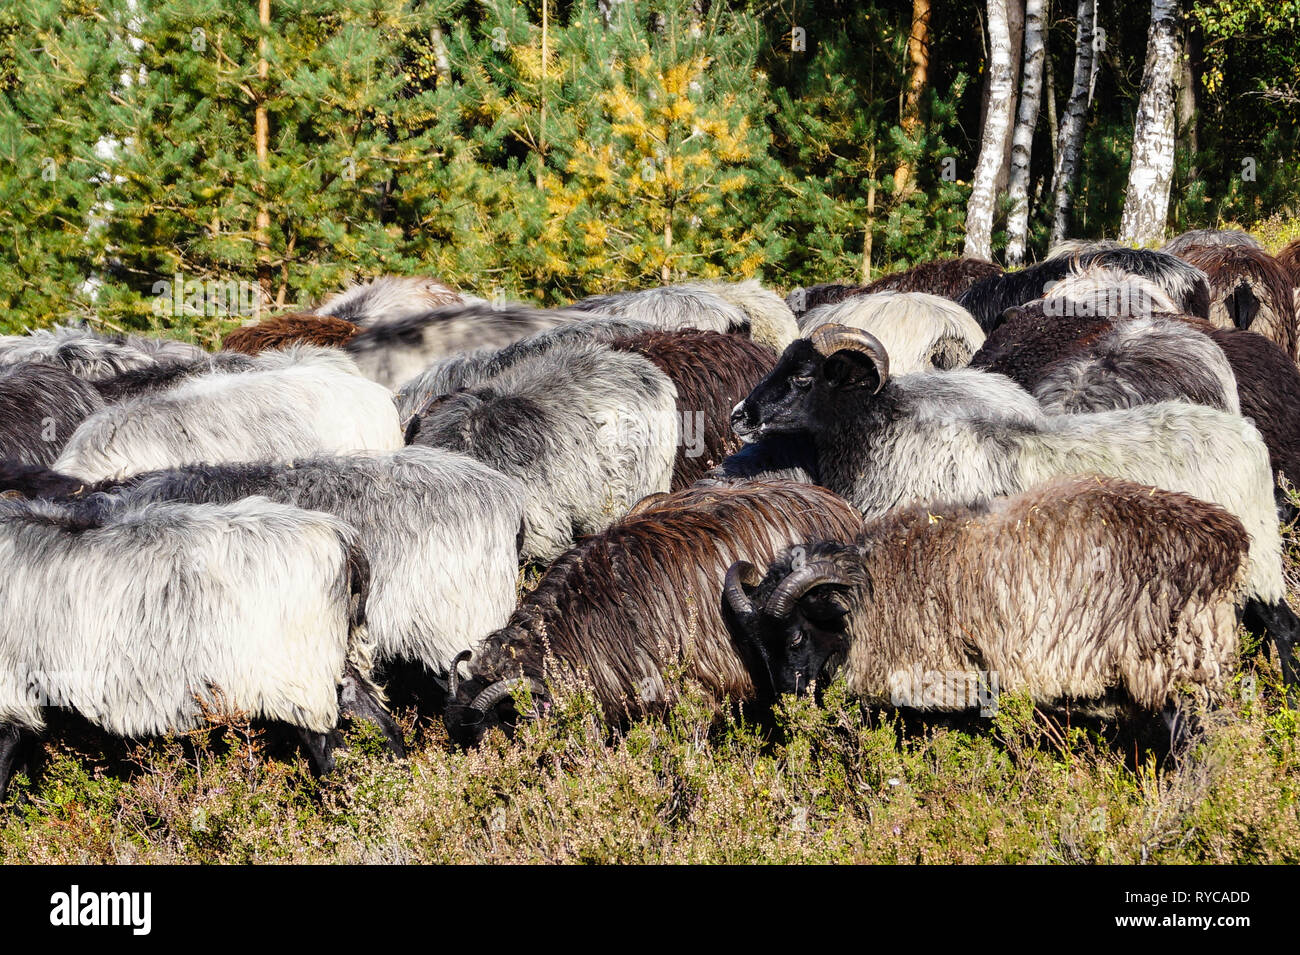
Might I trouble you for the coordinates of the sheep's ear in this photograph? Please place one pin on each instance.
(854, 369)
(826, 605)
(1010, 314)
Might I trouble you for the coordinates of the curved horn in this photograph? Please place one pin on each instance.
(647, 502)
(453, 676)
(498, 691)
(832, 337)
(741, 574)
(788, 592)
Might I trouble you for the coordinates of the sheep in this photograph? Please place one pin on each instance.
(1250, 290)
(388, 297)
(804, 300)
(627, 608)
(1289, 259)
(967, 435)
(672, 307)
(769, 320)
(1228, 238)
(142, 617)
(920, 331)
(1140, 362)
(1100, 586)
(1104, 290)
(88, 354)
(440, 531)
(710, 372)
(34, 480)
(40, 407)
(151, 379)
(1030, 343)
(1185, 284)
(312, 403)
(293, 328)
(944, 277)
(588, 430)
(393, 351)
(457, 372)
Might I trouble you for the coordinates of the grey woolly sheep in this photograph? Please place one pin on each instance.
(88, 354)
(440, 530)
(313, 403)
(40, 407)
(1101, 585)
(921, 332)
(388, 297)
(672, 307)
(770, 322)
(1220, 237)
(140, 618)
(588, 430)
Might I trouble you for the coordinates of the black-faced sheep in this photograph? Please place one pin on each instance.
(314, 404)
(88, 354)
(40, 407)
(141, 617)
(589, 431)
(395, 350)
(387, 298)
(1100, 586)
(965, 436)
(626, 608)
(440, 531)
(921, 332)
(711, 372)
(296, 328)
(1249, 290)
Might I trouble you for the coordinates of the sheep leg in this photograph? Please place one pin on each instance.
(358, 700)
(1181, 724)
(11, 745)
(320, 750)
(1279, 623)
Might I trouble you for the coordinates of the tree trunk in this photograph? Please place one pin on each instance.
(868, 240)
(1146, 201)
(1188, 139)
(1022, 141)
(261, 135)
(1016, 23)
(541, 120)
(1049, 82)
(918, 53)
(1065, 176)
(993, 144)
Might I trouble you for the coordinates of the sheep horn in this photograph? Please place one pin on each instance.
(790, 590)
(647, 502)
(498, 691)
(453, 676)
(741, 574)
(832, 337)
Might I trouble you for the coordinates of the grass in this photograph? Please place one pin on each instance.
(828, 782)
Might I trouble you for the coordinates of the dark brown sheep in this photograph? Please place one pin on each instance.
(1289, 259)
(1250, 290)
(296, 328)
(945, 277)
(626, 609)
(712, 372)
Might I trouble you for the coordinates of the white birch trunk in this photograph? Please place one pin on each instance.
(1146, 202)
(993, 144)
(1070, 145)
(1022, 140)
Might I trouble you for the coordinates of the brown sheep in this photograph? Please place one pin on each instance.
(295, 328)
(1250, 290)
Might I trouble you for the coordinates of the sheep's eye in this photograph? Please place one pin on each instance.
(802, 381)
(796, 638)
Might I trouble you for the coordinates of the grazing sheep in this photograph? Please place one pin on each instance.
(921, 332)
(885, 442)
(312, 403)
(711, 372)
(944, 277)
(1185, 285)
(41, 406)
(1100, 586)
(457, 372)
(88, 354)
(588, 430)
(295, 328)
(769, 320)
(393, 351)
(141, 618)
(441, 532)
(387, 298)
(626, 609)
(1250, 290)
(1142, 361)
(1227, 238)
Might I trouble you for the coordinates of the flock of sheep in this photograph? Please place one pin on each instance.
(1065, 480)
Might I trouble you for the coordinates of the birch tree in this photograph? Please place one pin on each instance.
(993, 143)
(1069, 147)
(1022, 140)
(1146, 201)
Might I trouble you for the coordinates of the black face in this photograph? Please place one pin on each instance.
(815, 634)
(467, 726)
(799, 395)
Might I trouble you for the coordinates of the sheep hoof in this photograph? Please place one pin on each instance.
(320, 750)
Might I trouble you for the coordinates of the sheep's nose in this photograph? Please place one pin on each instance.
(741, 419)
